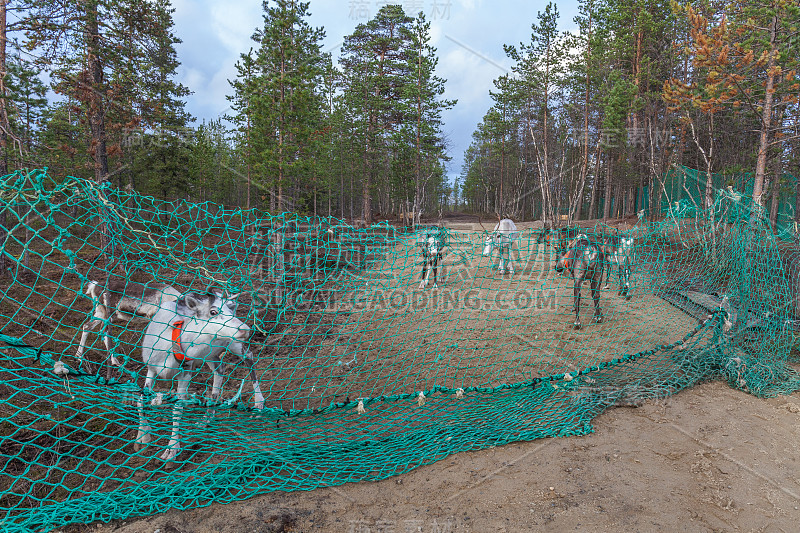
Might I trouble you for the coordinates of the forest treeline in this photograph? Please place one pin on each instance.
(588, 123)
(355, 136)
(585, 125)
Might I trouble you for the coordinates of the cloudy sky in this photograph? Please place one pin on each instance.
(469, 36)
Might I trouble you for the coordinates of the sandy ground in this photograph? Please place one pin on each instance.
(708, 459)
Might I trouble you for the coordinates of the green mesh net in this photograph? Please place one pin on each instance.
(684, 190)
(364, 374)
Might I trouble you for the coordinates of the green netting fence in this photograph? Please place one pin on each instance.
(684, 191)
(365, 375)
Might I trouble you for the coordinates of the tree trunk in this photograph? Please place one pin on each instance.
(95, 115)
(607, 190)
(3, 132)
(775, 192)
(96, 106)
(4, 123)
(585, 167)
(766, 118)
(595, 187)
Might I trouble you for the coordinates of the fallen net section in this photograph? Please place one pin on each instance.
(365, 374)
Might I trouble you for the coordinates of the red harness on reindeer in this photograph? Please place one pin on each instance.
(566, 261)
(177, 348)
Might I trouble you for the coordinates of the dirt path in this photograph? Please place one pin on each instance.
(709, 459)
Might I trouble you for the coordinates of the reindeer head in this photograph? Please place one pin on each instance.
(494, 240)
(545, 235)
(212, 316)
(433, 245)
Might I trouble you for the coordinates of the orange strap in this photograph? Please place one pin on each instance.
(177, 349)
(564, 261)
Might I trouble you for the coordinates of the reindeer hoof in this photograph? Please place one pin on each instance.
(435, 285)
(577, 325)
(606, 287)
(598, 319)
(142, 442)
(422, 285)
(170, 454)
(627, 296)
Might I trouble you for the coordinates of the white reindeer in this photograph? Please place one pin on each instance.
(501, 241)
(183, 336)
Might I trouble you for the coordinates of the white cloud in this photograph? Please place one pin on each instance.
(469, 4)
(191, 77)
(235, 22)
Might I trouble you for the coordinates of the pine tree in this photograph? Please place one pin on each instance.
(423, 93)
(149, 101)
(62, 141)
(375, 72)
(277, 97)
(540, 67)
(115, 60)
(245, 87)
(746, 58)
(25, 105)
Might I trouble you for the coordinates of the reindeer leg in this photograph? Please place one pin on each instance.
(425, 274)
(258, 398)
(247, 358)
(109, 315)
(174, 446)
(435, 269)
(595, 285)
(86, 328)
(107, 341)
(100, 314)
(627, 274)
(216, 389)
(143, 436)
